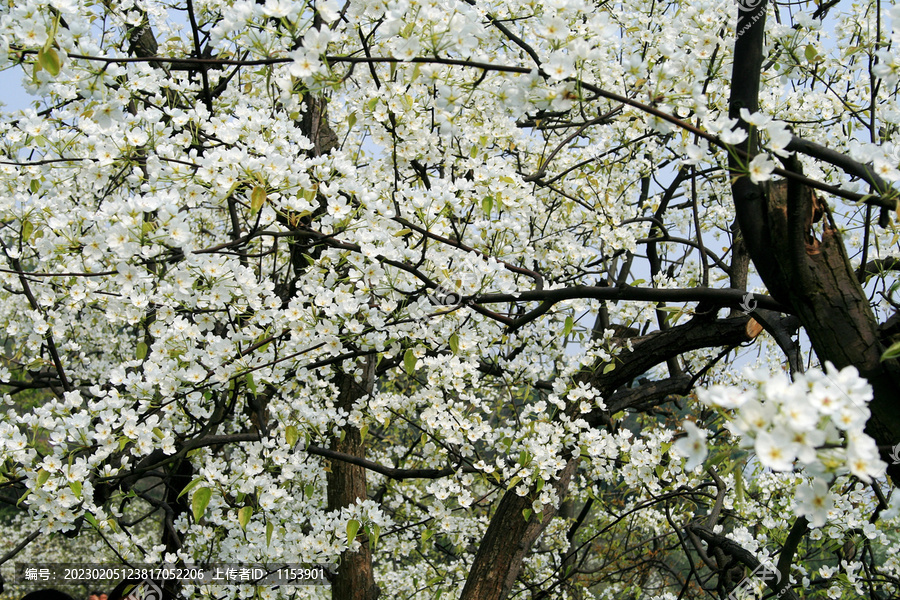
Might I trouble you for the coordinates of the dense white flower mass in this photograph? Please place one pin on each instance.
(813, 423)
(403, 285)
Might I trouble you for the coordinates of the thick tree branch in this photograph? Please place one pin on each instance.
(390, 472)
(744, 556)
(649, 395)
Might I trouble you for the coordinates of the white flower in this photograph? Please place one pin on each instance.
(560, 66)
(305, 63)
(406, 49)
(799, 413)
(775, 450)
(555, 28)
(734, 136)
(692, 446)
(316, 40)
(886, 170)
(863, 459)
(779, 138)
(328, 9)
(279, 8)
(724, 396)
(887, 68)
(813, 501)
(757, 119)
(696, 153)
(761, 168)
(754, 416)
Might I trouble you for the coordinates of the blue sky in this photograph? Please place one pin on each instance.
(13, 96)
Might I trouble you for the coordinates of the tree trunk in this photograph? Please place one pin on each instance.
(814, 277)
(508, 541)
(832, 306)
(346, 486)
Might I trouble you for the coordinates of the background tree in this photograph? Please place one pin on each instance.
(437, 291)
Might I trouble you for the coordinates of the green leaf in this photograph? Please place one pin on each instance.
(251, 384)
(270, 529)
(141, 352)
(200, 501)
(49, 61)
(244, 516)
(454, 343)
(570, 323)
(609, 368)
(526, 512)
(426, 535)
(308, 194)
(42, 477)
(291, 435)
(374, 534)
(27, 230)
(352, 529)
(487, 204)
(810, 53)
(362, 433)
(892, 352)
(257, 199)
(34, 186)
(409, 361)
(524, 458)
(92, 520)
(351, 120)
(190, 486)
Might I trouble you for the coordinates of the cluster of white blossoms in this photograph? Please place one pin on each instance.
(813, 424)
(185, 274)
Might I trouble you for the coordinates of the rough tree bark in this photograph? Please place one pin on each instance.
(347, 486)
(813, 277)
(508, 541)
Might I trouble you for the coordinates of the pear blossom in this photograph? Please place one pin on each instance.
(761, 168)
(224, 229)
(692, 447)
(814, 502)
